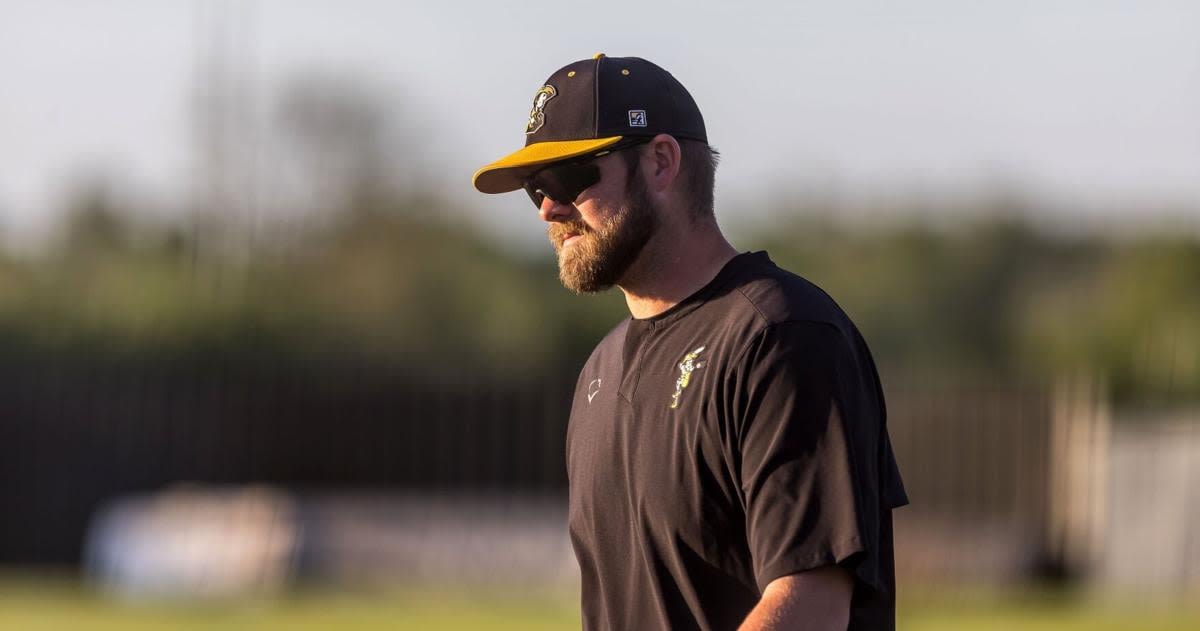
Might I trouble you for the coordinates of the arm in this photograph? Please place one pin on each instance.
(814, 600)
(796, 473)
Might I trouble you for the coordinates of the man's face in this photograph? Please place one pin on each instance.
(599, 236)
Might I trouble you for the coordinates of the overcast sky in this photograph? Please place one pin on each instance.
(1086, 102)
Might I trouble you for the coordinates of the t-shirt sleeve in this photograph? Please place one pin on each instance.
(803, 427)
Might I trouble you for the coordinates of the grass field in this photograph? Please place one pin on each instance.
(55, 605)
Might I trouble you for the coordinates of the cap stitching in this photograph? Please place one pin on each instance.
(596, 98)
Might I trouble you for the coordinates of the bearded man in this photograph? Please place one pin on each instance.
(727, 452)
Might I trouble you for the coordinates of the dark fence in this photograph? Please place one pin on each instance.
(973, 453)
(977, 463)
(76, 434)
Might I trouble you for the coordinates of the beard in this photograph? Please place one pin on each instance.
(600, 256)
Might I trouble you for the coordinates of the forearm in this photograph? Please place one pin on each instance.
(772, 613)
(817, 600)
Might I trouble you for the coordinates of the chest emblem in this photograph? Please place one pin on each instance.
(686, 367)
(593, 389)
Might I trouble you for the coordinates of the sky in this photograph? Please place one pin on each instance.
(1089, 104)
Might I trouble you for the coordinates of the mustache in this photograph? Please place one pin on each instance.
(558, 232)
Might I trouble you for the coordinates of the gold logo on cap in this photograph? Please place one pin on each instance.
(537, 115)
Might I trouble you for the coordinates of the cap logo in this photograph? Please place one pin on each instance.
(537, 115)
(637, 118)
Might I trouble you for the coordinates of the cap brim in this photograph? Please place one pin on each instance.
(509, 173)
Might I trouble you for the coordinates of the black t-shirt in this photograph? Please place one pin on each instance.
(738, 437)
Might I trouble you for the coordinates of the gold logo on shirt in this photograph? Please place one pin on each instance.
(686, 367)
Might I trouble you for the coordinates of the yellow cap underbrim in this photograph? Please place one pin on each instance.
(509, 173)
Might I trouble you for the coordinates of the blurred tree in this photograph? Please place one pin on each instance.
(397, 273)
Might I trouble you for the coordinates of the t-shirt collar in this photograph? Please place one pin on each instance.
(728, 272)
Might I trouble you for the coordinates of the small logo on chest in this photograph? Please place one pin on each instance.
(593, 389)
(686, 367)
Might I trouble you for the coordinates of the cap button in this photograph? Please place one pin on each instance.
(597, 55)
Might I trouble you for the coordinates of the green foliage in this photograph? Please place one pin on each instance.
(409, 279)
(995, 297)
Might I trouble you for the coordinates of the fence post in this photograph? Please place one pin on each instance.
(1077, 496)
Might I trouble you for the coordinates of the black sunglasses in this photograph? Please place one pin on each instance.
(564, 181)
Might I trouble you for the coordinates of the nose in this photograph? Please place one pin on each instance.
(552, 211)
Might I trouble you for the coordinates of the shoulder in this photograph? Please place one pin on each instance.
(778, 295)
(794, 356)
(777, 306)
(790, 329)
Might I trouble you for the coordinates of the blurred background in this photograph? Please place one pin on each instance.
(268, 361)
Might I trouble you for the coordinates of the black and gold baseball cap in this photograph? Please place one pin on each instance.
(592, 104)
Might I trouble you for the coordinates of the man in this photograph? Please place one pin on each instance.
(727, 452)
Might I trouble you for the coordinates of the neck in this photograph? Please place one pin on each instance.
(675, 263)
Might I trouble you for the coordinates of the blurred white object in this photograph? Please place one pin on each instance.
(195, 543)
(509, 539)
(1153, 537)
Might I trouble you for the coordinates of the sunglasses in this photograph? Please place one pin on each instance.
(564, 181)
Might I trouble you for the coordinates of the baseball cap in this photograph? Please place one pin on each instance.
(592, 104)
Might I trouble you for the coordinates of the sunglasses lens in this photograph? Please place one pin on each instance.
(535, 194)
(562, 183)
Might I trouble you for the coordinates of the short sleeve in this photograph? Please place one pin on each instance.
(807, 445)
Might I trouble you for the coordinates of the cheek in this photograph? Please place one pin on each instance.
(595, 212)
(602, 201)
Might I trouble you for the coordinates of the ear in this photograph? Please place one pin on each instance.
(664, 161)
